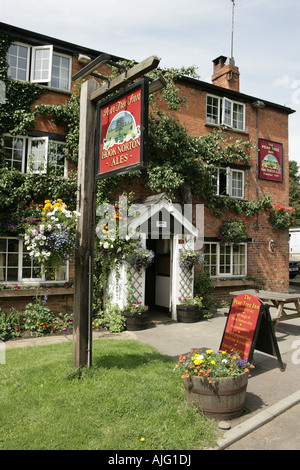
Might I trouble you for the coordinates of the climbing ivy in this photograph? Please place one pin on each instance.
(20, 193)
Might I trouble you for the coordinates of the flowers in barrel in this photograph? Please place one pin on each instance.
(135, 308)
(52, 239)
(192, 301)
(190, 258)
(233, 231)
(211, 365)
(282, 217)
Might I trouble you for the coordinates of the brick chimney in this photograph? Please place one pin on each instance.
(226, 74)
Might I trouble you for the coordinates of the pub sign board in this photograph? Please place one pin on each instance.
(270, 160)
(248, 327)
(122, 131)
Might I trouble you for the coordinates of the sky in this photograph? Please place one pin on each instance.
(266, 38)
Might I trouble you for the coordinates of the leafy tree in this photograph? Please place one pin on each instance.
(294, 180)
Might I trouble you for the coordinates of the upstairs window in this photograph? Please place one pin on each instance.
(41, 64)
(18, 61)
(222, 111)
(35, 155)
(229, 182)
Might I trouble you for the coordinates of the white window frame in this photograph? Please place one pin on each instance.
(19, 44)
(65, 159)
(232, 266)
(31, 65)
(43, 169)
(33, 280)
(13, 137)
(47, 79)
(229, 177)
(223, 104)
(70, 71)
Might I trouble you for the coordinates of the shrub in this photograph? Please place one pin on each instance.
(10, 324)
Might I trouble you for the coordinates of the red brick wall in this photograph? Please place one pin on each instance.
(272, 269)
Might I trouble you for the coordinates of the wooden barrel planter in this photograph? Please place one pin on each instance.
(188, 313)
(136, 321)
(223, 399)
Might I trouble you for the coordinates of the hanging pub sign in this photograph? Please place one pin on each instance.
(122, 128)
(270, 160)
(248, 327)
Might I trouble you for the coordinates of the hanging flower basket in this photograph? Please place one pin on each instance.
(188, 259)
(282, 217)
(140, 258)
(51, 240)
(233, 231)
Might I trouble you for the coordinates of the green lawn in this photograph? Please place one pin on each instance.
(130, 393)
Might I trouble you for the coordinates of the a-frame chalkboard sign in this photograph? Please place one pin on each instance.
(248, 327)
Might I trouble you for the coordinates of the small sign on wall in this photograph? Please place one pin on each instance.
(270, 160)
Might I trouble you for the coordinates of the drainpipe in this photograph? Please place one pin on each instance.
(257, 105)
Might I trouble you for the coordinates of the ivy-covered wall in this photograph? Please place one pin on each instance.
(21, 192)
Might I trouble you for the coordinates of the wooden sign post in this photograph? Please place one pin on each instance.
(91, 93)
(249, 327)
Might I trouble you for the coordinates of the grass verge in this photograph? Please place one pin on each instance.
(130, 399)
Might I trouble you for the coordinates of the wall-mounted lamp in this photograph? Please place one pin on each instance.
(258, 104)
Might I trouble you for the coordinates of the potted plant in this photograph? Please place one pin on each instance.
(282, 217)
(233, 231)
(189, 310)
(188, 259)
(215, 383)
(136, 315)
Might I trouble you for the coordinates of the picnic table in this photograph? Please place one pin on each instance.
(279, 300)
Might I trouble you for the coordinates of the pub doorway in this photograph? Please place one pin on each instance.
(158, 277)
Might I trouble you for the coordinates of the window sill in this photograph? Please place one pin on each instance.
(217, 282)
(33, 292)
(225, 128)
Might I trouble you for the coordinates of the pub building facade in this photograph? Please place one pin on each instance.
(263, 257)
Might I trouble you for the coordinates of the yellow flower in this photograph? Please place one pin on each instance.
(142, 439)
(212, 362)
(209, 351)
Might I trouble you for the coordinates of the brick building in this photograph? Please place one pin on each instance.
(211, 106)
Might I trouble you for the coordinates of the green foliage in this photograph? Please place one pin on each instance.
(10, 324)
(21, 192)
(233, 231)
(282, 217)
(294, 186)
(15, 114)
(69, 114)
(111, 320)
(203, 287)
(39, 320)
